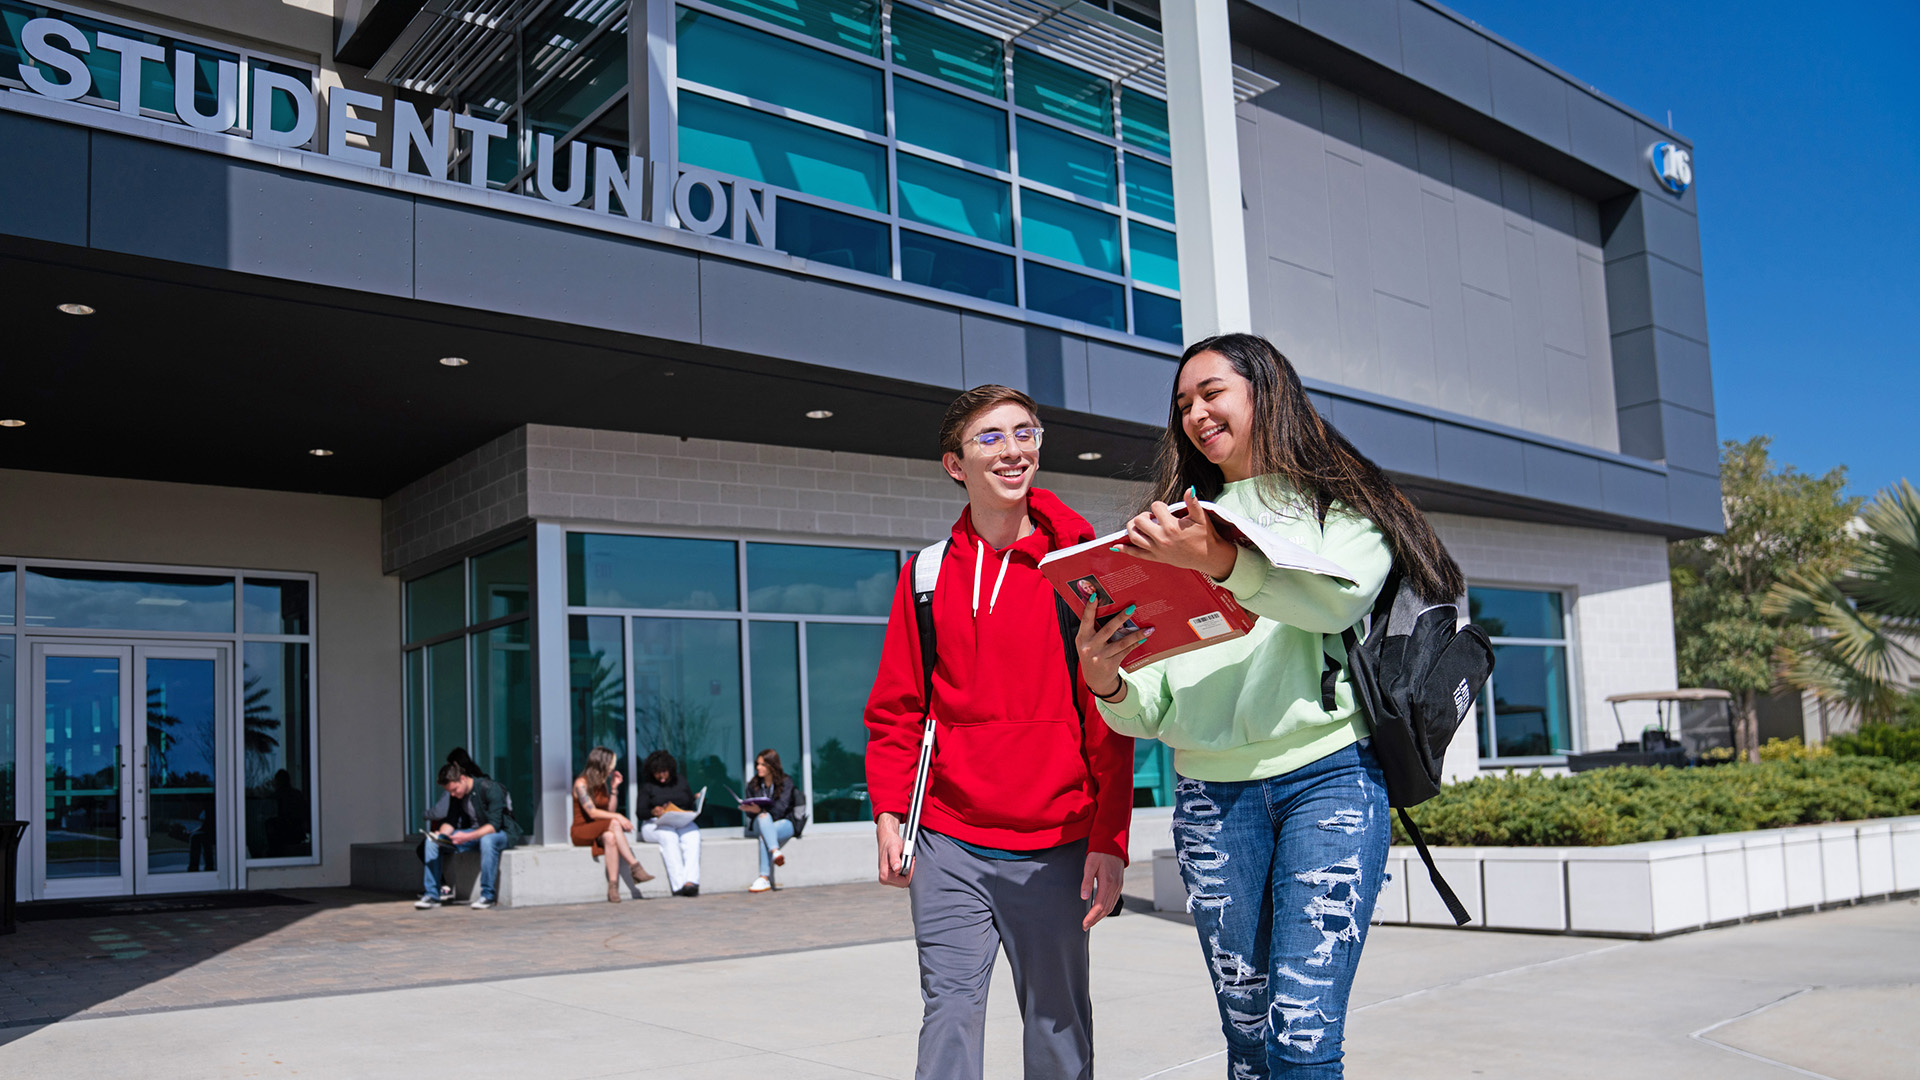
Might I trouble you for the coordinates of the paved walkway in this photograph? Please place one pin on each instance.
(691, 989)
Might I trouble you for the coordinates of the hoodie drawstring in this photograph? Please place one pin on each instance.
(979, 557)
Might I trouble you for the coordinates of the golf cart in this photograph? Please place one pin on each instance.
(1679, 736)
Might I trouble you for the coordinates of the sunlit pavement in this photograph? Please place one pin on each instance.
(1831, 994)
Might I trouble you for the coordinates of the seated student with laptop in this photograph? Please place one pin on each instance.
(493, 831)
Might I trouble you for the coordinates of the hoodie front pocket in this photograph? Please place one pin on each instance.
(1012, 774)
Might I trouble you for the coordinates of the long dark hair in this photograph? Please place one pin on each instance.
(599, 770)
(660, 761)
(1294, 444)
(458, 756)
(776, 776)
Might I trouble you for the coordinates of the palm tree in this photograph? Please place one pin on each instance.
(1867, 618)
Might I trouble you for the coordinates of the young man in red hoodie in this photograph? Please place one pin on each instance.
(1024, 826)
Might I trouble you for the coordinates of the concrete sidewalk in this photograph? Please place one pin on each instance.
(1832, 994)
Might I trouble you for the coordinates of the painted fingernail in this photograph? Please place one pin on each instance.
(1130, 608)
(1149, 633)
(1117, 547)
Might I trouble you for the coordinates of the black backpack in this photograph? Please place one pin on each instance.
(1417, 677)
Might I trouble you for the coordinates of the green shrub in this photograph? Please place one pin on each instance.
(1631, 805)
(1897, 742)
(1792, 750)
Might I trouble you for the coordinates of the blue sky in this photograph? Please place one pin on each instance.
(1806, 126)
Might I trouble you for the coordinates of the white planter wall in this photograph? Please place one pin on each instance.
(1641, 890)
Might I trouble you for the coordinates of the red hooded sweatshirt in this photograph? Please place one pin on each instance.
(1014, 766)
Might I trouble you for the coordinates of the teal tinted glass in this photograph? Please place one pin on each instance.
(6, 602)
(955, 267)
(1516, 613)
(1062, 92)
(156, 77)
(273, 607)
(1143, 122)
(833, 238)
(1527, 696)
(743, 142)
(503, 714)
(1149, 187)
(1157, 317)
(123, 600)
(729, 56)
(436, 604)
(283, 107)
(802, 579)
(279, 759)
(953, 199)
(6, 726)
(1053, 157)
(842, 659)
(949, 124)
(584, 77)
(687, 700)
(1154, 257)
(1075, 296)
(1069, 231)
(850, 24)
(933, 46)
(597, 687)
(500, 582)
(776, 691)
(418, 761)
(651, 572)
(446, 705)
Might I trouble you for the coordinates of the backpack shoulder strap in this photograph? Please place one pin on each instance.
(1069, 620)
(1377, 619)
(926, 577)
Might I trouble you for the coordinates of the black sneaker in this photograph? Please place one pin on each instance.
(427, 902)
(691, 888)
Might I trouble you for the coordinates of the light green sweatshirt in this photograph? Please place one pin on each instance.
(1249, 708)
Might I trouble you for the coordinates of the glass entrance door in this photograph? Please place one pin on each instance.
(136, 749)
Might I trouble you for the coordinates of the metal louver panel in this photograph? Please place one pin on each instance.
(448, 43)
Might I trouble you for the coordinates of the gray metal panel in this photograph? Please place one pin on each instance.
(1679, 299)
(1686, 372)
(1493, 369)
(1396, 441)
(1558, 476)
(49, 200)
(1629, 305)
(1632, 492)
(1593, 290)
(1352, 274)
(1516, 194)
(163, 202)
(1600, 134)
(1340, 119)
(1436, 161)
(992, 351)
(318, 231)
(1406, 348)
(1482, 223)
(1636, 368)
(1529, 340)
(1305, 319)
(1396, 236)
(1671, 233)
(1690, 439)
(520, 266)
(1640, 431)
(1128, 384)
(1368, 27)
(1453, 382)
(1693, 501)
(1076, 378)
(1445, 55)
(1051, 360)
(1557, 261)
(769, 313)
(1569, 403)
(1528, 97)
(1292, 189)
(1478, 458)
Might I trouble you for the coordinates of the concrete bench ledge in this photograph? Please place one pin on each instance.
(1640, 890)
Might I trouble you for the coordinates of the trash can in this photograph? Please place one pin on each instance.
(10, 834)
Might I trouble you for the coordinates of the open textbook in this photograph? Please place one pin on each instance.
(682, 818)
(1186, 609)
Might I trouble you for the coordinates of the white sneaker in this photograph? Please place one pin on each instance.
(760, 884)
(427, 902)
(778, 858)
(480, 903)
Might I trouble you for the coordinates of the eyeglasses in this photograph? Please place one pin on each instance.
(1026, 438)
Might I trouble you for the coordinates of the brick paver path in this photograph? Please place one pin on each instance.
(350, 941)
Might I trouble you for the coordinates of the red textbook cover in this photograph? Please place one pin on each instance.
(1186, 609)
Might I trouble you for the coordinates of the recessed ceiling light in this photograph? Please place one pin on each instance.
(1090, 455)
(76, 309)
(668, 374)
(453, 361)
(13, 423)
(320, 453)
(819, 414)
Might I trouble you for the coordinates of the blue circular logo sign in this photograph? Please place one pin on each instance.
(1672, 166)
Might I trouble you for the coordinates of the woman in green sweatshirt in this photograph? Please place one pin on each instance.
(1280, 814)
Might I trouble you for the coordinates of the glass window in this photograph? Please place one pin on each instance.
(687, 701)
(437, 603)
(1143, 122)
(128, 600)
(842, 660)
(1157, 317)
(729, 56)
(828, 236)
(956, 200)
(1062, 92)
(949, 124)
(585, 77)
(7, 806)
(283, 115)
(277, 734)
(1054, 157)
(418, 777)
(1149, 187)
(6, 596)
(801, 579)
(933, 46)
(652, 572)
(503, 714)
(1075, 296)
(776, 692)
(744, 142)
(500, 583)
(1155, 256)
(83, 774)
(955, 267)
(183, 816)
(597, 686)
(446, 699)
(850, 24)
(1069, 232)
(1525, 710)
(1516, 613)
(270, 606)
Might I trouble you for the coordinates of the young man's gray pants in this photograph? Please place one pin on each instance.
(965, 907)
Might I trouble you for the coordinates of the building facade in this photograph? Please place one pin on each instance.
(386, 376)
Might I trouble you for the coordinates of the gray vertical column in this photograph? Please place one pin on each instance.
(652, 111)
(553, 712)
(1211, 235)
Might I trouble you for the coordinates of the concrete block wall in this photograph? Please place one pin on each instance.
(476, 493)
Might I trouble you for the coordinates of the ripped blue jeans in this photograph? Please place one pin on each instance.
(1281, 877)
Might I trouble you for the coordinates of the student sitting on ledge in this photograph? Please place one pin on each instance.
(596, 824)
(494, 831)
(663, 789)
(774, 814)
